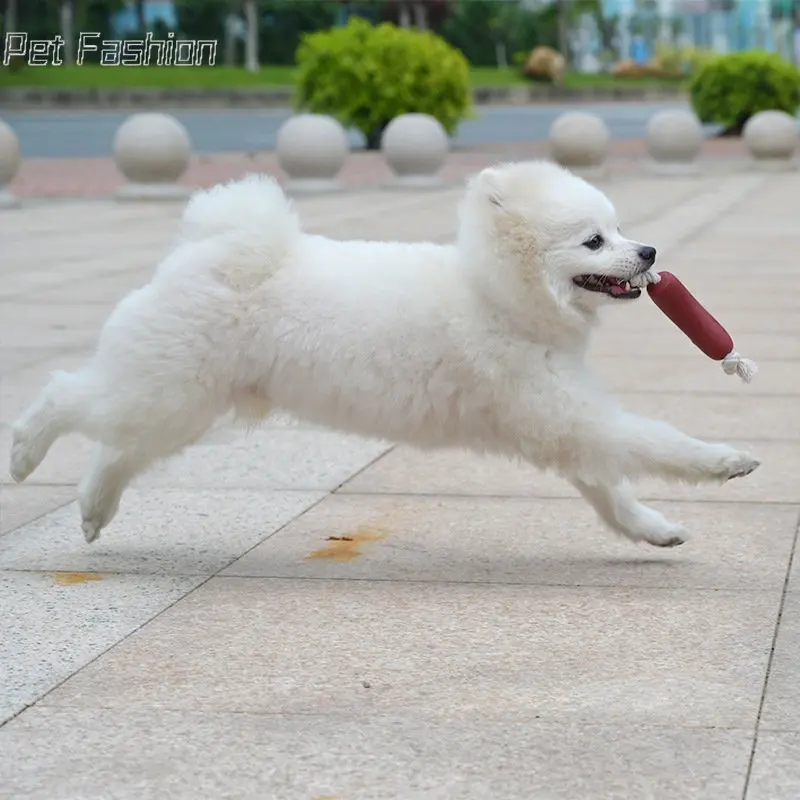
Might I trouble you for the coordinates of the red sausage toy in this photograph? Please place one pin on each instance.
(677, 302)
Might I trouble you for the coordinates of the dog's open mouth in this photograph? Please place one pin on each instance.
(605, 284)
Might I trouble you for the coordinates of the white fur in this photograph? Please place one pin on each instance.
(479, 344)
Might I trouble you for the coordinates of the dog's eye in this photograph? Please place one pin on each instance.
(595, 243)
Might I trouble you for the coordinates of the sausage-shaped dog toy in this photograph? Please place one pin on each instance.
(678, 303)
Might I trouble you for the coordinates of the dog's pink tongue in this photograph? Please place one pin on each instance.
(617, 288)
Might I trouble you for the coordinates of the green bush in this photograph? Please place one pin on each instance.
(728, 90)
(365, 76)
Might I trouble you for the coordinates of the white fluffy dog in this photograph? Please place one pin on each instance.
(479, 344)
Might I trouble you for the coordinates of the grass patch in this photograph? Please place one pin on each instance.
(494, 76)
(577, 80)
(92, 76)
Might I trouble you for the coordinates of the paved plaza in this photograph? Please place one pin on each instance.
(293, 614)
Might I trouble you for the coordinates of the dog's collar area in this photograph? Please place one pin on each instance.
(605, 284)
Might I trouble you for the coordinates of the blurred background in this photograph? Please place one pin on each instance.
(593, 35)
(491, 71)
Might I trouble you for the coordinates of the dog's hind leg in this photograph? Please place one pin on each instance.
(57, 410)
(113, 469)
(102, 486)
(617, 506)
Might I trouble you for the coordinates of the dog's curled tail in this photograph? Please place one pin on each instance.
(253, 208)
(254, 219)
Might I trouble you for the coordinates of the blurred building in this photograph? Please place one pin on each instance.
(720, 25)
(156, 14)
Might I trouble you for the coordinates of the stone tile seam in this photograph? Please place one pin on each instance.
(625, 589)
(250, 577)
(770, 660)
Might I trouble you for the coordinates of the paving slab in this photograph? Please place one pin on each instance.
(455, 651)
(54, 623)
(776, 767)
(96, 754)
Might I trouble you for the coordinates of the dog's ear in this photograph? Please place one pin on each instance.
(492, 186)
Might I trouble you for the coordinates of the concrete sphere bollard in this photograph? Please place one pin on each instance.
(771, 137)
(9, 164)
(311, 150)
(674, 140)
(415, 146)
(152, 151)
(580, 142)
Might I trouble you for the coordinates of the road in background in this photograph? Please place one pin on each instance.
(70, 134)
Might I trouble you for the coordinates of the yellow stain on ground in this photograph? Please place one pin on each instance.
(347, 548)
(71, 578)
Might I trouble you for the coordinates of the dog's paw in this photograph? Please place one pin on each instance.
(651, 526)
(734, 464)
(664, 534)
(91, 529)
(23, 461)
(675, 538)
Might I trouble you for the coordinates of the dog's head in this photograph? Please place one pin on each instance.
(550, 237)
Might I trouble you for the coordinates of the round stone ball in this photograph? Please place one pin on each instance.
(9, 153)
(674, 136)
(312, 147)
(771, 136)
(152, 148)
(415, 145)
(579, 139)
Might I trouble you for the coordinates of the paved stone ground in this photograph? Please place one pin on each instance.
(481, 636)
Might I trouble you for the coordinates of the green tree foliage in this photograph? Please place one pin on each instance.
(729, 89)
(365, 76)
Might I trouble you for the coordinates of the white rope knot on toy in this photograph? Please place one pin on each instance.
(734, 364)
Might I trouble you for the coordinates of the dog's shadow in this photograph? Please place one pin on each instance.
(444, 565)
(391, 562)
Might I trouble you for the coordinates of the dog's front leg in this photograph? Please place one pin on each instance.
(617, 506)
(642, 446)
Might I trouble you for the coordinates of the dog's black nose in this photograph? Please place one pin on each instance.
(647, 254)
